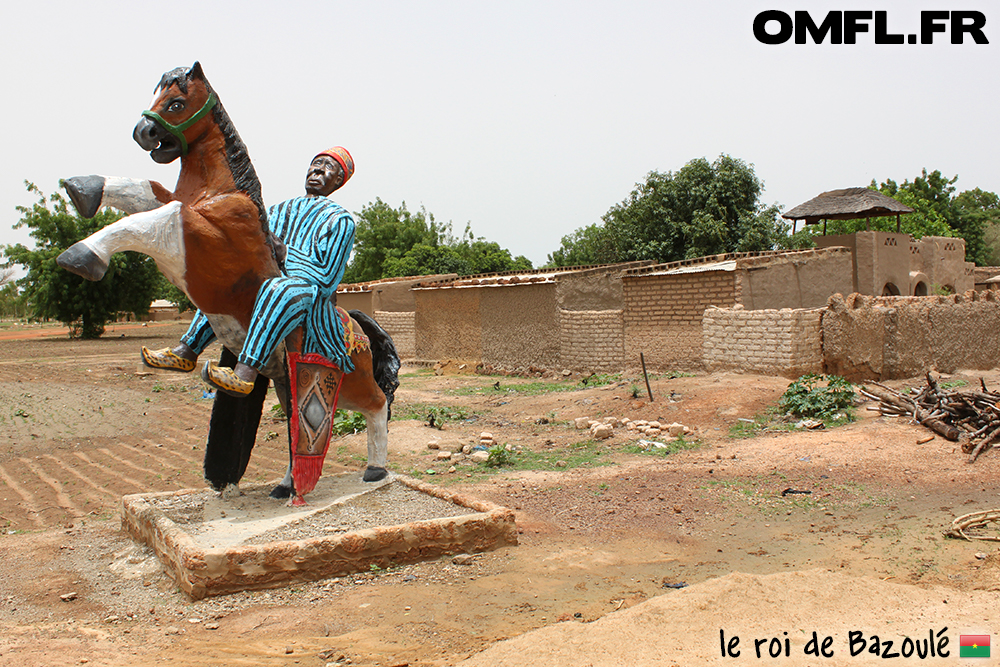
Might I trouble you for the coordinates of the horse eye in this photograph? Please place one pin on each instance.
(175, 106)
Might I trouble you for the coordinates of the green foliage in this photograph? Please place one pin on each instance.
(392, 242)
(170, 292)
(499, 457)
(12, 306)
(702, 209)
(809, 398)
(52, 292)
(346, 422)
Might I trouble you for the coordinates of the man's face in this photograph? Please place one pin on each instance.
(324, 176)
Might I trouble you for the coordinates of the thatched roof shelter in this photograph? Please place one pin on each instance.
(846, 204)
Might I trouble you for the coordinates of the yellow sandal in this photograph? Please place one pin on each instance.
(167, 360)
(225, 380)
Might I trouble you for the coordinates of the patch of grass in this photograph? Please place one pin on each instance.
(951, 384)
(441, 413)
(768, 421)
(506, 386)
(680, 444)
(586, 454)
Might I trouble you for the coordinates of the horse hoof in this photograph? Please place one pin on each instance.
(86, 193)
(83, 261)
(298, 501)
(373, 474)
(281, 492)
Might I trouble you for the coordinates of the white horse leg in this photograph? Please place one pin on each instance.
(130, 195)
(378, 444)
(158, 233)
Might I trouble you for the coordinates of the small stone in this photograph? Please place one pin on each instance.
(467, 449)
(112, 619)
(651, 432)
(582, 423)
(452, 469)
(602, 432)
(676, 429)
(289, 650)
(485, 435)
(68, 596)
(463, 559)
(678, 509)
(171, 630)
(560, 464)
(212, 626)
(631, 426)
(981, 556)
(433, 444)
(443, 456)
(479, 457)
(567, 373)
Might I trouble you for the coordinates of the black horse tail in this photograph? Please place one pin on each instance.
(385, 360)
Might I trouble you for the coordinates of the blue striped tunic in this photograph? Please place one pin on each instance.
(319, 235)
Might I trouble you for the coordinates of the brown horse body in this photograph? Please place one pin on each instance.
(210, 238)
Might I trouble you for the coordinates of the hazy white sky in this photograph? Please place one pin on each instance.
(527, 119)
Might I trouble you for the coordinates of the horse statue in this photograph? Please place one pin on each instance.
(210, 238)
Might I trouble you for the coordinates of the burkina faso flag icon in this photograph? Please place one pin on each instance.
(974, 646)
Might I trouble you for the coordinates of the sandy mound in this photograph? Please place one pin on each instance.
(683, 628)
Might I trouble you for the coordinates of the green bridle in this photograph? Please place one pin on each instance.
(178, 130)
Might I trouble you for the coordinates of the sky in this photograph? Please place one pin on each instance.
(525, 119)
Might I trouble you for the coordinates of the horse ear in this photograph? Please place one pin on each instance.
(195, 72)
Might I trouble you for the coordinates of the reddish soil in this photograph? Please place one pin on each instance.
(84, 423)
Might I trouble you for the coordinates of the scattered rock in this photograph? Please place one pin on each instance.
(171, 630)
(443, 456)
(433, 444)
(69, 596)
(582, 422)
(212, 626)
(463, 559)
(479, 457)
(602, 431)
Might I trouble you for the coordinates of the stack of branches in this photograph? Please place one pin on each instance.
(972, 416)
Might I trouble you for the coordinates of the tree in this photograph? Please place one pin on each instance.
(702, 209)
(52, 292)
(390, 243)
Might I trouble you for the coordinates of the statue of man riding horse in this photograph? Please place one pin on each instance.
(264, 282)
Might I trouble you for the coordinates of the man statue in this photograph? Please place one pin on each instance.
(318, 235)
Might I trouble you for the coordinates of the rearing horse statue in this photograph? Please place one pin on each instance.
(210, 238)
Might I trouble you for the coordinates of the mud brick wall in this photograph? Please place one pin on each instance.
(885, 338)
(520, 326)
(783, 342)
(663, 316)
(592, 341)
(447, 325)
(401, 328)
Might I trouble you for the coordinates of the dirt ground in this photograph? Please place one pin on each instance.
(607, 532)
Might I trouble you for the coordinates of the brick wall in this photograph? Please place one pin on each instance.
(886, 338)
(401, 328)
(663, 316)
(770, 342)
(592, 340)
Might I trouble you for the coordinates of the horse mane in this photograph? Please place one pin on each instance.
(237, 156)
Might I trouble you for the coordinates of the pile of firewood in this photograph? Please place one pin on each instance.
(970, 416)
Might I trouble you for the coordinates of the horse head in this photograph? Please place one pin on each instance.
(178, 115)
